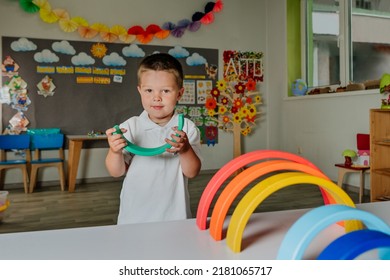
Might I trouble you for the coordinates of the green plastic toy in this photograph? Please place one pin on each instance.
(142, 151)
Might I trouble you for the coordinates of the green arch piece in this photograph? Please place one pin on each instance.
(142, 151)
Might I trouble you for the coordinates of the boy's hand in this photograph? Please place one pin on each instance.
(116, 141)
(179, 142)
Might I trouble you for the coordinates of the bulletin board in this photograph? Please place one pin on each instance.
(94, 85)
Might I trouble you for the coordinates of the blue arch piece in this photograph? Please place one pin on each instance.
(351, 245)
(303, 231)
(142, 151)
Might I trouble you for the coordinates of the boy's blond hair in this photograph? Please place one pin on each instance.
(162, 62)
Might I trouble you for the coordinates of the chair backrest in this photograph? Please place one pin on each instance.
(47, 141)
(17, 142)
(363, 141)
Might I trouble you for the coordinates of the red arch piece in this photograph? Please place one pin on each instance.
(231, 191)
(232, 166)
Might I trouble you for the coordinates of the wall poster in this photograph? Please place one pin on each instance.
(83, 87)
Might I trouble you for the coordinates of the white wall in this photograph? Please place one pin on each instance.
(242, 25)
(322, 127)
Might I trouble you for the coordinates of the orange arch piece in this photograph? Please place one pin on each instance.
(232, 166)
(270, 185)
(242, 180)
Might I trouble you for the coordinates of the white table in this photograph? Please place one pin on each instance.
(180, 240)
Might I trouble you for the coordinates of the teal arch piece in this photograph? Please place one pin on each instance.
(142, 151)
(352, 244)
(303, 231)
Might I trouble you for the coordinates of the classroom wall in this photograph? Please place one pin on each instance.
(242, 25)
(319, 127)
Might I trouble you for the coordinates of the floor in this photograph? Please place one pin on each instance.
(96, 204)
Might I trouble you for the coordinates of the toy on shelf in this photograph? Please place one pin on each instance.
(349, 155)
(385, 89)
(299, 87)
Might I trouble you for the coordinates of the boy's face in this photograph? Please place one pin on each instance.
(159, 94)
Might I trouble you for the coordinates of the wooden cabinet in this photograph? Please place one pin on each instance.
(380, 154)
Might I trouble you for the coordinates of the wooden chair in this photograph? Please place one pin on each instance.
(41, 143)
(9, 143)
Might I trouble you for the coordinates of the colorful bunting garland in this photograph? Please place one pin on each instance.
(118, 32)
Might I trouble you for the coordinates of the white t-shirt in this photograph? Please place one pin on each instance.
(155, 188)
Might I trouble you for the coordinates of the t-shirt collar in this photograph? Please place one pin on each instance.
(149, 124)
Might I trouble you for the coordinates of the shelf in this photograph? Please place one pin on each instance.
(384, 142)
(382, 171)
(380, 110)
(380, 154)
(383, 198)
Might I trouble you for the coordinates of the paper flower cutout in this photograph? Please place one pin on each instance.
(108, 37)
(28, 6)
(61, 14)
(235, 104)
(42, 4)
(87, 32)
(211, 104)
(46, 87)
(48, 15)
(67, 24)
(207, 18)
(127, 38)
(80, 21)
(100, 27)
(162, 34)
(118, 30)
(251, 85)
(113, 34)
(218, 7)
(145, 36)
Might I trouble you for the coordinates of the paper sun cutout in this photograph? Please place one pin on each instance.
(98, 50)
(46, 87)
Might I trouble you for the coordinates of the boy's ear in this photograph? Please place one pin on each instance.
(181, 92)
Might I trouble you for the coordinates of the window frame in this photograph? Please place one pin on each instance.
(343, 42)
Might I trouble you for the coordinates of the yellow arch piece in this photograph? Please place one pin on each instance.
(233, 189)
(272, 184)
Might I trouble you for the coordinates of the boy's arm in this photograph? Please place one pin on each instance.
(115, 162)
(181, 145)
(190, 163)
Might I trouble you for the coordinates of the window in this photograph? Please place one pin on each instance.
(346, 41)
